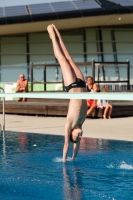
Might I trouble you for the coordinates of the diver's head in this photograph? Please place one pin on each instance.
(76, 135)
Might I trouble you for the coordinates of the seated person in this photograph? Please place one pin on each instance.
(91, 87)
(22, 86)
(103, 104)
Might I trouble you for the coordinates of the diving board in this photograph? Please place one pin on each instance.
(128, 96)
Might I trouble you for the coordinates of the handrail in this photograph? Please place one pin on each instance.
(97, 64)
(3, 128)
(81, 64)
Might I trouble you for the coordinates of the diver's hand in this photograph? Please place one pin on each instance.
(69, 159)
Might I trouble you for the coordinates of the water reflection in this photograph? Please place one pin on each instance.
(3, 147)
(93, 144)
(101, 168)
(72, 182)
(22, 140)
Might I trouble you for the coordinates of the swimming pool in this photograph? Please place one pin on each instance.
(31, 168)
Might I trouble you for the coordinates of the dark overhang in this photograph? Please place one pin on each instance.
(63, 10)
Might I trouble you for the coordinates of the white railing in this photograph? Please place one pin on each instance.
(117, 86)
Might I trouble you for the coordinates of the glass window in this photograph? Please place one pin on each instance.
(13, 58)
(92, 48)
(124, 35)
(124, 46)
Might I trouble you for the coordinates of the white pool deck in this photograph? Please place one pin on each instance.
(116, 128)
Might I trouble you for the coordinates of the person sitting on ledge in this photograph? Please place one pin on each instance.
(103, 104)
(91, 87)
(22, 86)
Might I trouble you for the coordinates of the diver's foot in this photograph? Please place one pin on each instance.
(50, 31)
(56, 30)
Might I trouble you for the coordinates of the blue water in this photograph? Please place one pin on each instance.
(31, 168)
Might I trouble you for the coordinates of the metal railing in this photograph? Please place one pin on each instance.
(95, 73)
(3, 108)
(46, 66)
(97, 65)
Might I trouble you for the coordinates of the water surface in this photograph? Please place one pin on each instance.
(31, 168)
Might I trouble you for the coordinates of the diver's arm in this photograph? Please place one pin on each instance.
(66, 143)
(75, 149)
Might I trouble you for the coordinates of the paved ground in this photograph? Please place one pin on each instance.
(116, 128)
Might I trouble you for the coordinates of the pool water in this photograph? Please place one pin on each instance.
(31, 168)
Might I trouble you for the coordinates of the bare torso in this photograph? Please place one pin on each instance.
(77, 110)
(23, 83)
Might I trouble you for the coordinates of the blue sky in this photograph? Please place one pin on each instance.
(5, 3)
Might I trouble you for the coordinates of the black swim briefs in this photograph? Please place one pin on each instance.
(77, 84)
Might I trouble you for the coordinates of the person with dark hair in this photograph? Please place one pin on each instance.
(91, 87)
(74, 82)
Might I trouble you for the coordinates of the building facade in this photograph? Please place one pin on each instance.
(102, 37)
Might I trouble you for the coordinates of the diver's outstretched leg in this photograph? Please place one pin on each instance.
(67, 55)
(69, 75)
